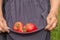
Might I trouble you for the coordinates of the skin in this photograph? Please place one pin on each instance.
(59, 2)
(51, 18)
(3, 24)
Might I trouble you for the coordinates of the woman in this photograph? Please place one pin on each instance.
(36, 11)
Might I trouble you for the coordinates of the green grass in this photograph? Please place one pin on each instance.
(55, 34)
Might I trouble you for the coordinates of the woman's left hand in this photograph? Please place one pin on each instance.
(51, 21)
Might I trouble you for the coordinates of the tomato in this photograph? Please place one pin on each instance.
(17, 25)
(21, 29)
(30, 27)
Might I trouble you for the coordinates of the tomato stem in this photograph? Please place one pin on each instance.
(17, 25)
(24, 29)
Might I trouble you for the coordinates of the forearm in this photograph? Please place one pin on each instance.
(1, 8)
(54, 4)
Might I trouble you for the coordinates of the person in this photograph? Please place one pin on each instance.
(27, 9)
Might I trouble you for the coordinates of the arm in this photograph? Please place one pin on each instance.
(0, 8)
(52, 16)
(54, 6)
(3, 25)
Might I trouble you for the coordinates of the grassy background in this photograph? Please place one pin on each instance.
(55, 34)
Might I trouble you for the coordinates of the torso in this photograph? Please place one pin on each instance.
(25, 11)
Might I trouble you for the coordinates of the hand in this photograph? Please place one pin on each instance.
(3, 25)
(51, 21)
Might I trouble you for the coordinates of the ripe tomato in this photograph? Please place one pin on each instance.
(21, 29)
(30, 27)
(17, 25)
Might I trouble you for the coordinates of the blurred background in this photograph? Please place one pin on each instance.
(55, 34)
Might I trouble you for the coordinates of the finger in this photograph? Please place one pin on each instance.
(1, 30)
(49, 25)
(4, 29)
(53, 25)
(48, 20)
(5, 24)
(1, 27)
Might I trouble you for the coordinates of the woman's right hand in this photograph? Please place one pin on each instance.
(3, 25)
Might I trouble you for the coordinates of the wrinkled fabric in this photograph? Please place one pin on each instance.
(41, 35)
(34, 11)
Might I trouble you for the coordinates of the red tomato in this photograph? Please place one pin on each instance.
(21, 29)
(30, 27)
(17, 25)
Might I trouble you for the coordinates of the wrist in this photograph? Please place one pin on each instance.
(1, 16)
(54, 12)
(1, 13)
